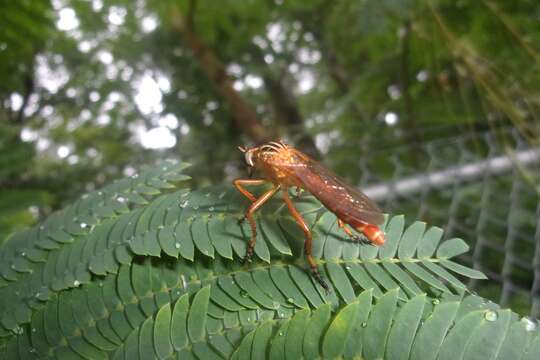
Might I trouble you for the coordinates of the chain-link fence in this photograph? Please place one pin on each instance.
(480, 186)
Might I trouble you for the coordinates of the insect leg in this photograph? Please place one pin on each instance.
(348, 231)
(357, 239)
(307, 244)
(240, 183)
(249, 216)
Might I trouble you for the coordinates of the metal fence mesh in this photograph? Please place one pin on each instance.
(479, 186)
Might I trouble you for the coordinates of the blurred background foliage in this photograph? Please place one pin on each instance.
(92, 89)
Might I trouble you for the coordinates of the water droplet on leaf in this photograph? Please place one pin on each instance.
(435, 301)
(530, 325)
(184, 283)
(490, 315)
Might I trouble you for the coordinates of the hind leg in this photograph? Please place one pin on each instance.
(354, 237)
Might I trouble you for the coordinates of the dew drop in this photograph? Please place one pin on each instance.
(290, 300)
(121, 199)
(183, 204)
(530, 325)
(364, 324)
(435, 301)
(184, 282)
(490, 315)
(177, 245)
(33, 329)
(12, 267)
(76, 283)
(100, 284)
(23, 254)
(280, 333)
(211, 208)
(83, 225)
(348, 267)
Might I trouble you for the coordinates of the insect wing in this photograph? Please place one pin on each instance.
(350, 204)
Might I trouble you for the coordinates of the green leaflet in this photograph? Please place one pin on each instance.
(157, 277)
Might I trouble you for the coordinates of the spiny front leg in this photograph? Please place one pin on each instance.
(354, 237)
(249, 216)
(239, 185)
(308, 243)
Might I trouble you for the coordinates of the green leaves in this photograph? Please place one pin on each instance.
(88, 237)
(163, 279)
(390, 330)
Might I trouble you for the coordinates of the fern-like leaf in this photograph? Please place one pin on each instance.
(160, 277)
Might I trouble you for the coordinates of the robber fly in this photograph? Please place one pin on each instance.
(284, 167)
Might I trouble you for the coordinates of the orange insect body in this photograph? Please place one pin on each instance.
(284, 167)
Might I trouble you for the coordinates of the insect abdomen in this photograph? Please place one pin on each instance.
(372, 232)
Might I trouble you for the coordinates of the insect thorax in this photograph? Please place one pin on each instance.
(276, 164)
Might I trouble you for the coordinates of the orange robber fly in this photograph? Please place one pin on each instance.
(283, 166)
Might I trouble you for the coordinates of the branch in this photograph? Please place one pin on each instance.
(28, 91)
(286, 110)
(245, 117)
(284, 104)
